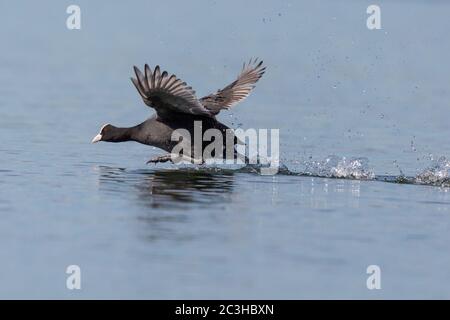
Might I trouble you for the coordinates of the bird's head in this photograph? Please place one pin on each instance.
(106, 133)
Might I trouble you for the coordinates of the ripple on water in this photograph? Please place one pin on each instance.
(357, 168)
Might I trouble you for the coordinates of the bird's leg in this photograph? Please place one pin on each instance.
(164, 158)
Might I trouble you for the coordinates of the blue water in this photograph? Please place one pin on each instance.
(338, 92)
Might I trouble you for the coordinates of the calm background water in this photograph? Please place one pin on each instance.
(332, 88)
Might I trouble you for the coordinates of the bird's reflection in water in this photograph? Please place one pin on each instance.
(165, 188)
(180, 188)
(168, 197)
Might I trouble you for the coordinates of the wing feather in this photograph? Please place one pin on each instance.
(167, 94)
(238, 90)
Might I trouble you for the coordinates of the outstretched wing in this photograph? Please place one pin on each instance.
(167, 94)
(237, 90)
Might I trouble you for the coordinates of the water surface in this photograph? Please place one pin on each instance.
(338, 92)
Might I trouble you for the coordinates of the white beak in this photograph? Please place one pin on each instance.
(97, 138)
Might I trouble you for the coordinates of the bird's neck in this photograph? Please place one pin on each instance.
(121, 135)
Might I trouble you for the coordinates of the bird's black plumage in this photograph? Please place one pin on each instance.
(178, 108)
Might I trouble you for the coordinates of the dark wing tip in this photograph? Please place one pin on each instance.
(139, 74)
(147, 70)
(253, 63)
(138, 86)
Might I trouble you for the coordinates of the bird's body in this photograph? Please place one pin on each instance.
(158, 132)
(179, 111)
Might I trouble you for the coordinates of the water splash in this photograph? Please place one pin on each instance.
(357, 168)
(437, 174)
(340, 167)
